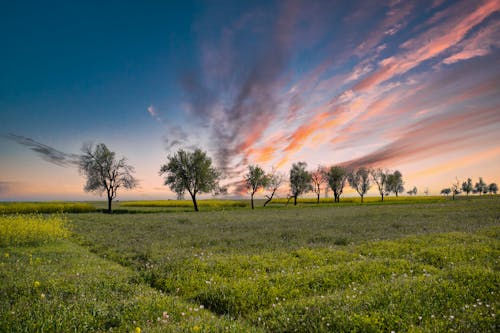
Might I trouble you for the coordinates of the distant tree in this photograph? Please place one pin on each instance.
(255, 179)
(426, 191)
(413, 191)
(493, 188)
(395, 183)
(336, 177)
(455, 189)
(300, 180)
(318, 177)
(446, 191)
(467, 186)
(379, 177)
(192, 172)
(104, 172)
(275, 181)
(480, 187)
(360, 181)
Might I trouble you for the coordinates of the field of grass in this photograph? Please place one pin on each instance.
(420, 266)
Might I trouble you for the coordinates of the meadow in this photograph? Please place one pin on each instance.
(421, 265)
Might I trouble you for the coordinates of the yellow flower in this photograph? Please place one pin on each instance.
(6, 254)
(196, 328)
(42, 296)
(37, 284)
(137, 330)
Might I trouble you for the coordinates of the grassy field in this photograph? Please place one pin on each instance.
(422, 266)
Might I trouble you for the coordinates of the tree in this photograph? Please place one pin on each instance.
(336, 177)
(493, 188)
(480, 187)
(446, 191)
(318, 178)
(455, 189)
(300, 180)
(413, 191)
(395, 183)
(192, 172)
(379, 177)
(467, 186)
(360, 181)
(275, 181)
(426, 191)
(255, 178)
(104, 172)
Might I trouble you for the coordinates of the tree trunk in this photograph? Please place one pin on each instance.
(361, 199)
(295, 200)
(193, 196)
(318, 198)
(251, 199)
(109, 204)
(396, 194)
(269, 198)
(382, 195)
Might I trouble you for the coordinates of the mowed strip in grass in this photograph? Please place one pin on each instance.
(422, 267)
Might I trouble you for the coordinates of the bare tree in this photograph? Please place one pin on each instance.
(104, 172)
(455, 189)
(336, 177)
(192, 172)
(426, 191)
(318, 177)
(275, 181)
(360, 181)
(255, 178)
(413, 191)
(380, 176)
(300, 180)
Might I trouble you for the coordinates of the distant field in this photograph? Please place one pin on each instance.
(45, 207)
(422, 266)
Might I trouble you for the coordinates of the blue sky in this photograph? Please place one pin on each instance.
(409, 85)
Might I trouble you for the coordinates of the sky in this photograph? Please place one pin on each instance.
(406, 85)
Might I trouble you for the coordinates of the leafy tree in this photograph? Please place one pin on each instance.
(192, 172)
(379, 177)
(300, 180)
(493, 188)
(318, 177)
(255, 178)
(360, 181)
(104, 172)
(446, 191)
(336, 177)
(275, 181)
(480, 187)
(467, 186)
(395, 183)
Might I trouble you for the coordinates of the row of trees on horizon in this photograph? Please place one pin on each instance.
(193, 172)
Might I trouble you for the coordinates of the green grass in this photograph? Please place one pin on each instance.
(419, 266)
(216, 204)
(45, 207)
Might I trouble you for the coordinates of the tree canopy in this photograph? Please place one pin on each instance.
(255, 179)
(360, 181)
(300, 180)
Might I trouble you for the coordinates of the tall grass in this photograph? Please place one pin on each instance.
(45, 207)
(33, 229)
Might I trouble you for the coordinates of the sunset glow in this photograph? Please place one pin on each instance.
(407, 85)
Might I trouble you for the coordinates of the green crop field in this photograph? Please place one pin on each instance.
(421, 265)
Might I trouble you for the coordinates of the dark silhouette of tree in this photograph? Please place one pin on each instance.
(446, 191)
(300, 180)
(360, 181)
(455, 189)
(318, 177)
(467, 186)
(379, 177)
(275, 181)
(192, 172)
(104, 172)
(395, 183)
(493, 188)
(336, 177)
(255, 179)
(413, 191)
(480, 187)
